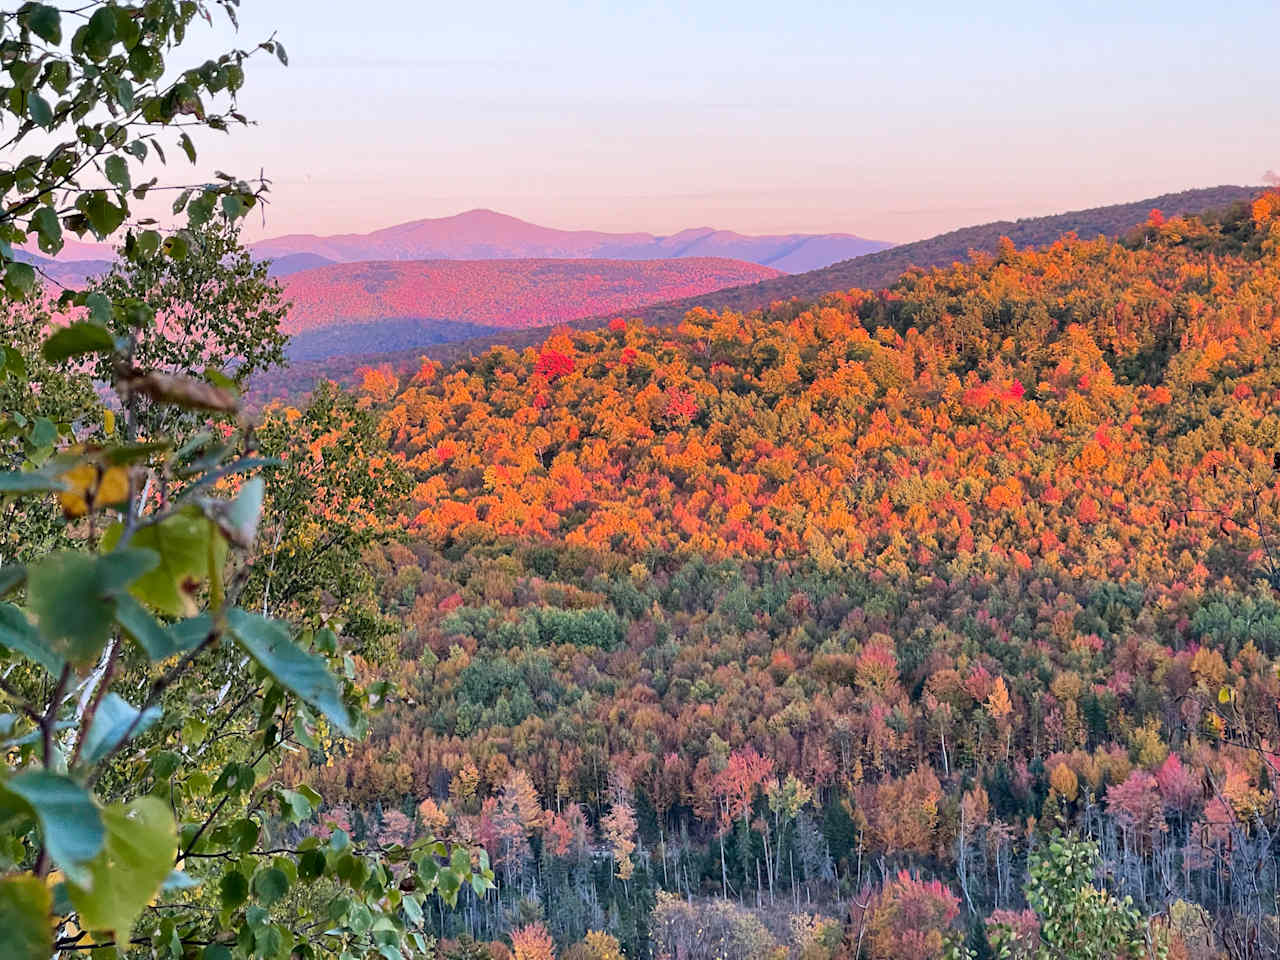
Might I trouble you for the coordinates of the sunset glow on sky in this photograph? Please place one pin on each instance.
(891, 120)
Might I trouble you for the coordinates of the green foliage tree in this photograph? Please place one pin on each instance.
(99, 81)
(215, 310)
(146, 711)
(335, 492)
(1077, 919)
(42, 403)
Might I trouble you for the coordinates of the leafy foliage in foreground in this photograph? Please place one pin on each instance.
(146, 710)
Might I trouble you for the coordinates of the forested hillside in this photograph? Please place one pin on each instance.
(870, 271)
(937, 621)
(881, 268)
(498, 293)
(854, 602)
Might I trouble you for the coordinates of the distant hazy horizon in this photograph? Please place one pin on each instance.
(891, 121)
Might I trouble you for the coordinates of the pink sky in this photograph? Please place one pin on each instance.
(893, 121)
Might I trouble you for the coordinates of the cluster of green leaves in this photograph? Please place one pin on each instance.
(98, 82)
(190, 308)
(1078, 919)
(144, 711)
(151, 606)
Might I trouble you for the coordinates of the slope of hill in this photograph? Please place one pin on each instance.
(70, 273)
(488, 235)
(907, 577)
(499, 293)
(878, 269)
(294, 262)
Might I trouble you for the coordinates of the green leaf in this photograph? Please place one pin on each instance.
(39, 109)
(164, 764)
(305, 674)
(233, 889)
(104, 216)
(177, 246)
(19, 279)
(15, 363)
(293, 805)
(140, 848)
(36, 481)
(148, 243)
(12, 577)
(183, 543)
(48, 228)
(100, 33)
(99, 307)
(115, 720)
(412, 910)
(190, 633)
(460, 862)
(448, 884)
(73, 597)
(311, 865)
(270, 885)
(18, 635)
(232, 207)
(147, 632)
(70, 823)
(25, 918)
(243, 834)
(46, 23)
(117, 171)
(77, 339)
(238, 518)
(157, 641)
(44, 432)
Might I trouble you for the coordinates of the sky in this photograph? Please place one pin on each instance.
(890, 120)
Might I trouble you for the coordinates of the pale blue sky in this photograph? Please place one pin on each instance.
(891, 120)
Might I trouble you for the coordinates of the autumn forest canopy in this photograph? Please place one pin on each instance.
(937, 620)
(895, 581)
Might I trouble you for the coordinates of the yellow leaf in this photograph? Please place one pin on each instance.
(113, 488)
(75, 502)
(87, 484)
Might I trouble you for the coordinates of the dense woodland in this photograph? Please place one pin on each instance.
(835, 613)
(870, 271)
(938, 621)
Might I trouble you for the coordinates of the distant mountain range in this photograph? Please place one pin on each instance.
(66, 271)
(488, 235)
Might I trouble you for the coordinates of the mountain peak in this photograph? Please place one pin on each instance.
(485, 234)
